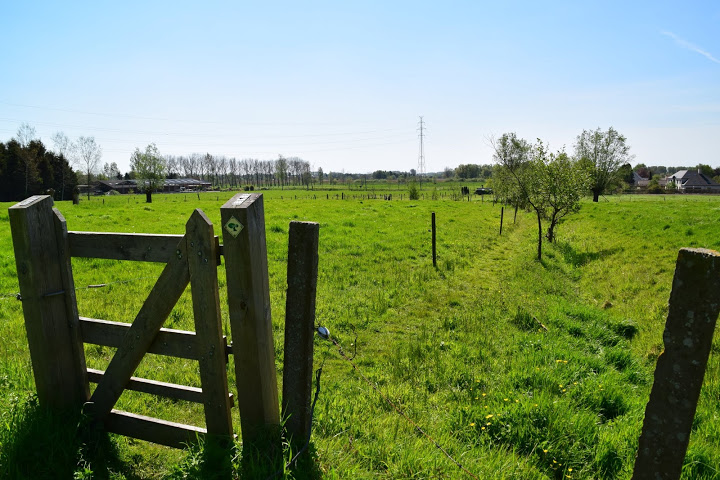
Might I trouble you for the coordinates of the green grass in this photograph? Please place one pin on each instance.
(459, 348)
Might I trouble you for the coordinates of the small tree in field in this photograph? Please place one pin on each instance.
(563, 182)
(414, 191)
(149, 167)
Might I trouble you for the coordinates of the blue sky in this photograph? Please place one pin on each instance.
(342, 84)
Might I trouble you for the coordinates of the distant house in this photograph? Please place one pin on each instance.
(170, 185)
(691, 181)
(639, 181)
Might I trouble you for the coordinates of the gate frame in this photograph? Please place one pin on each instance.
(56, 333)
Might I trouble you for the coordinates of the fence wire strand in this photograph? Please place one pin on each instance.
(17, 296)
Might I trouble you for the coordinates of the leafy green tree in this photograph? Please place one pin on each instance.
(551, 184)
(564, 181)
(516, 176)
(602, 154)
(149, 167)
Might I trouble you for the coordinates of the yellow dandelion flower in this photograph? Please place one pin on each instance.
(560, 385)
(569, 469)
(483, 428)
(484, 394)
(506, 399)
(517, 401)
(489, 416)
(545, 450)
(472, 424)
(564, 390)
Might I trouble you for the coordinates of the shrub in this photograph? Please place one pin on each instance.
(414, 191)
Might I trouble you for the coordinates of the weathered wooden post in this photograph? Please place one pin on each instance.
(502, 214)
(299, 329)
(434, 249)
(248, 286)
(202, 266)
(42, 257)
(692, 315)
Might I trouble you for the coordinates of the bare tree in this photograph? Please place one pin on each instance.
(66, 149)
(172, 164)
(24, 136)
(89, 155)
(233, 166)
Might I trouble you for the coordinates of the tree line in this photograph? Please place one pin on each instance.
(28, 168)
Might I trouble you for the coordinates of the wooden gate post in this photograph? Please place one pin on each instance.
(202, 265)
(42, 258)
(693, 312)
(248, 287)
(299, 329)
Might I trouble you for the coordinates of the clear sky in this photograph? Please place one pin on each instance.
(342, 84)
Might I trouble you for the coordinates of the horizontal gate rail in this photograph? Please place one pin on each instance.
(138, 247)
(154, 430)
(168, 342)
(154, 387)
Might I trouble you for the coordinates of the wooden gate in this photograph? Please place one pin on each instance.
(56, 333)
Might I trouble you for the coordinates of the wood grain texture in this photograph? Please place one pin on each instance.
(155, 310)
(171, 434)
(153, 387)
(202, 250)
(169, 342)
(250, 320)
(300, 329)
(42, 268)
(141, 247)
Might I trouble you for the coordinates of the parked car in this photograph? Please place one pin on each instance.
(483, 191)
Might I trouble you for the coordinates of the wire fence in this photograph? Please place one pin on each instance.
(18, 296)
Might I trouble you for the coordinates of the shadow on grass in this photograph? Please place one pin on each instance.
(577, 259)
(37, 444)
(214, 461)
(271, 464)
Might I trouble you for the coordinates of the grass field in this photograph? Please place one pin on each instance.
(458, 348)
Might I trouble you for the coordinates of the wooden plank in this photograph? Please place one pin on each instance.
(692, 315)
(248, 287)
(163, 389)
(153, 387)
(166, 292)
(300, 329)
(58, 368)
(202, 250)
(162, 432)
(169, 342)
(140, 247)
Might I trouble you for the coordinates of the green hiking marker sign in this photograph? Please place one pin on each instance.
(233, 226)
